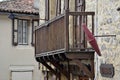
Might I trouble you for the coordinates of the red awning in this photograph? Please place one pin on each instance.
(91, 39)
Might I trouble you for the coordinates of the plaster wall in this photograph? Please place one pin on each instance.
(14, 55)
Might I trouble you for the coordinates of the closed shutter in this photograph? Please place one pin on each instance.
(34, 24)
(14, 32)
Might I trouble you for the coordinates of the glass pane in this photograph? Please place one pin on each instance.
(25, 27)
(19, 31)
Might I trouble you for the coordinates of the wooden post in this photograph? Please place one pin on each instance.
(67, 30)
(93, 24)
(92, 69)
(68, 70)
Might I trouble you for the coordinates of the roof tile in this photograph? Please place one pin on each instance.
(24, 6)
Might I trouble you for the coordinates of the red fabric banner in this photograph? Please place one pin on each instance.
(91, 39)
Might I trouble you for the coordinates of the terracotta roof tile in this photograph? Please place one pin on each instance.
(22, 6)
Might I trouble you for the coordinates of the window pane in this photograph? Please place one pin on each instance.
(25, 27)
(22, 31)
(19, 31)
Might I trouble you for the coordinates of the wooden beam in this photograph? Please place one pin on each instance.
(49, 67)
(81, 13)
(58, 66)
(80, 55)
(83, 67)
(66, 30)
(92, 69)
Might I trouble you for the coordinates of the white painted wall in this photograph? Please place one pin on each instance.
(11, 55)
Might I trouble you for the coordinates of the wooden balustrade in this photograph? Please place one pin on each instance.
(62, 40)
(63, 33)
(50, 36)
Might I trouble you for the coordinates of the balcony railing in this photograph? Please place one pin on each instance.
(63, 33)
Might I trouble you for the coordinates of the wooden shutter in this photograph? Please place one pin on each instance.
(34, 24)
(14, 32)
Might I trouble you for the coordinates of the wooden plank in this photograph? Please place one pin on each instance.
(58, 66)
(93, 24)
(49, 67)
(82, 13)
(80, 55)
(83, 67)
(51, 37)
(92, 69)
(50, 21)
(66, 30)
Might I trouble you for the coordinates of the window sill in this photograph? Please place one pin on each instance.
(24, 46)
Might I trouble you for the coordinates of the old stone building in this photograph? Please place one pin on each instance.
(107, 25)
(107, 32)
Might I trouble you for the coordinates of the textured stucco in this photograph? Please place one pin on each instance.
(14, 56)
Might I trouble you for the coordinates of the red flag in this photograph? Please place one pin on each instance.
(91, 39)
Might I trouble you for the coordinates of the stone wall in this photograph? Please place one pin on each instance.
(107, 22)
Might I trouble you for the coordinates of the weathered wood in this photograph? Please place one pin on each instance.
(54, 34)
(80, 55)
(83, 67)
(93, 24)
(92, 69)
(50, 68)
(66, 30)
(62, 39)
(82, 13)
(58, 66)
(50, 37)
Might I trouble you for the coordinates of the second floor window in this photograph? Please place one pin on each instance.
(22, 32)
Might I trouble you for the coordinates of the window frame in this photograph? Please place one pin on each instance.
(26, 35)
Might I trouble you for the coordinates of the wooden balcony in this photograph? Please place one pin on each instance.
(63, 34)
(62, 40)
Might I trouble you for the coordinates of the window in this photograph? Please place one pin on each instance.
(22, 32)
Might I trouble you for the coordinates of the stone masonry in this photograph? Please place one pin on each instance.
(107, 22)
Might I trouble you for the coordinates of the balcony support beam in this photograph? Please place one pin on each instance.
(49, 67)
(83, 68)
(58, 66)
